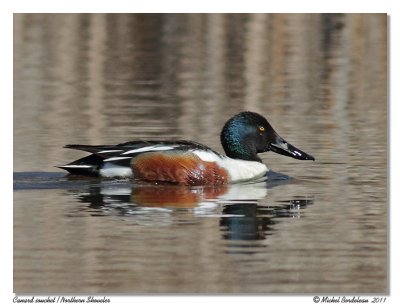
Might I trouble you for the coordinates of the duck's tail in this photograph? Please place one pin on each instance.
(89, 165)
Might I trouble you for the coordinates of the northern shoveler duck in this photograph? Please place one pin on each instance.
(187, 162)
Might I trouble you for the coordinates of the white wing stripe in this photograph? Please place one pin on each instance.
(116, 158)
(110, 151)
(150, 148)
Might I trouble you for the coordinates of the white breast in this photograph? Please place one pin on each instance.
(243, 170)
(238, 170)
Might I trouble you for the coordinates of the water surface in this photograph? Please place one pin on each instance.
(104, 79)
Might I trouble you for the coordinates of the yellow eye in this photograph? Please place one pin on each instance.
(261, 128)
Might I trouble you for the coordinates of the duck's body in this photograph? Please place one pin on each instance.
(181, 162)
(186, 162)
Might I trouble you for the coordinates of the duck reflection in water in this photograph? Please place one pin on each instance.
(242, 216)
(251, 221)
(164, 195)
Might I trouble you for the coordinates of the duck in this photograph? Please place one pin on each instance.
(183, 162)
